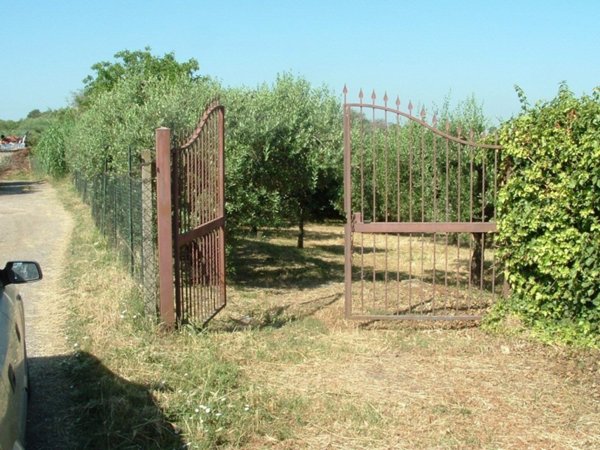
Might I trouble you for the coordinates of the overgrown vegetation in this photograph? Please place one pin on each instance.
(51, 148)
(136, 387)
(550, 216)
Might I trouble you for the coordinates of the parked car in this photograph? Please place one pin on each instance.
(13, 354)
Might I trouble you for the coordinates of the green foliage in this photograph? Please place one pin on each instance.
(51, 148)
(140, 62)
(119, 109)
(550, 214)
(283, 141)
(283, 151)
(34, 114)
(8, 126)
(522, 98)
(33, 125)
(125, 118)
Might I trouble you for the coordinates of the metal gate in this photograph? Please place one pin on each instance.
(420, 203)
(197, 216)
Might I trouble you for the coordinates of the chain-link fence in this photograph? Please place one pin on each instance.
(124, 210)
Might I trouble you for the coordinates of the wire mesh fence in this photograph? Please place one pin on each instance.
(123, 207)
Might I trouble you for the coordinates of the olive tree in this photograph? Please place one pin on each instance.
(284, 146)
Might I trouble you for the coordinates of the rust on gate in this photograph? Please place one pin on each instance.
(198, 224)
(420, 202)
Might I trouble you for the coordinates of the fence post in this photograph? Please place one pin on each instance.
(165, 225)
(103, 221)
(130, 224)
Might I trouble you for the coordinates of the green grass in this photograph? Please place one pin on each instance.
(136, 387)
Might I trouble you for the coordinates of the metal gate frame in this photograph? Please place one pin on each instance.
(357, 224)
(191, 222)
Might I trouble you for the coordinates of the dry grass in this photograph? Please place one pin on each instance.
(281, 368)
(421, 275)
(430, 390)
(398, 385)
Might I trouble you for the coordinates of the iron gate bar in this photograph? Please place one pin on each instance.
(205, 228)
(199, 220)
(165, 226)
(348, 210)
(424, 124)
(421, 227)
(421, 153)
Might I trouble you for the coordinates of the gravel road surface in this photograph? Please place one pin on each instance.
(35, 226)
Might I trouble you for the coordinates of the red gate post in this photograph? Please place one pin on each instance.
(165, 226)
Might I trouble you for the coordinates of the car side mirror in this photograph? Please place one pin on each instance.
(16, 272)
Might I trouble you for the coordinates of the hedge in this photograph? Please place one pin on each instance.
(549, 214)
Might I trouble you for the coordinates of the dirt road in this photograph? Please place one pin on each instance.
(35, 226)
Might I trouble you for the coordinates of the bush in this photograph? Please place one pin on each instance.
(51, 149)
(549, 213)
(125, 118)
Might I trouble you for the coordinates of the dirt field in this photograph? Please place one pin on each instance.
(14, 163)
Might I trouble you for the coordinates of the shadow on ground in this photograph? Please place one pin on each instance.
(291, 234)
(265, 262)
(78, 403)
(261, 264)
(18, 187)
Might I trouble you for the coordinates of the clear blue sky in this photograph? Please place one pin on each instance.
(421, 50)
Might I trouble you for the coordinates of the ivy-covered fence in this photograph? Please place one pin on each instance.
(549, 215)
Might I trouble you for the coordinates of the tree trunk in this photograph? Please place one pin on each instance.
(301, 229)
(477, 259)
(301, 234)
